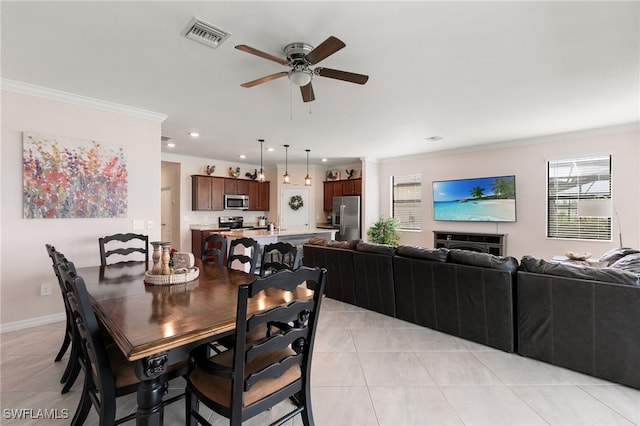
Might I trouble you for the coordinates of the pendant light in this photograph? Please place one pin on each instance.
(286, 177)
(261, 177)
(307, 178)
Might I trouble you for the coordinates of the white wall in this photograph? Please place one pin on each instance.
(527, 161)
(24, 264)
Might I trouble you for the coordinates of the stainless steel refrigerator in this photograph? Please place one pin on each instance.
(345, 217)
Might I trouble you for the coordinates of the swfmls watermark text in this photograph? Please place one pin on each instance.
(35, 413)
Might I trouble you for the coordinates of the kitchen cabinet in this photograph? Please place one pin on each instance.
(207, 193)
(258, 196)
(197, 239)
(339, 188)
(236, 186)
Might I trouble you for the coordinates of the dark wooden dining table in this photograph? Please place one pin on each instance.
(157, 325)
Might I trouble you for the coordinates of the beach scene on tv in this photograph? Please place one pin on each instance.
(489, 199)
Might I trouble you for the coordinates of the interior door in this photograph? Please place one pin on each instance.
(290, 217)
(165, 214)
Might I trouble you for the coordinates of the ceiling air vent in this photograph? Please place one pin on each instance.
(205, 33)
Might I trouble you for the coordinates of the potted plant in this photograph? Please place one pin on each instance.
(384, 231)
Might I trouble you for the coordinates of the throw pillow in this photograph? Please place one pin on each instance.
(318, 241)
(616, 254)
(630, 263)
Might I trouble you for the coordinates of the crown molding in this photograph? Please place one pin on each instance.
(84, 101)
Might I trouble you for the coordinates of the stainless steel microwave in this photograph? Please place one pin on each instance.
(236, 202)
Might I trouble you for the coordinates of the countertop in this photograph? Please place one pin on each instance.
(257, 233)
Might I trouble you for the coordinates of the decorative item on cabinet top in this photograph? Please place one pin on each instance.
(234, 173)
(252, 176)
(333, 174)
(211, 169)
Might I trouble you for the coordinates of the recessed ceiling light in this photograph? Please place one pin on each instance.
(271, 149)
(434, 138)
(324, 160)
(171, 145)
(194, 134)
(243, 156)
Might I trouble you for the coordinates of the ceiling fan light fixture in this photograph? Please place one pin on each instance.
(300, 77)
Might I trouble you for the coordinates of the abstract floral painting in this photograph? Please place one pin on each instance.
(73, 178)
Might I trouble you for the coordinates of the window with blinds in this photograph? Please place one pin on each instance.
(407, 201)
(579, 198)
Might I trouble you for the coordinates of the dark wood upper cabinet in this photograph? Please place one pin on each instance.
(338, 188)
(207, 192)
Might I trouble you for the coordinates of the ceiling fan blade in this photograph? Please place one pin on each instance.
(307, 93)
(326, 48)
(264, 79)
(262, 54)
(342, 75)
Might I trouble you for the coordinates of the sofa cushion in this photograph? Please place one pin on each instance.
(630, 263)
(610, 275)
(376, 248)
(350, 245)
(616, 254)
(436, 255)
(485, 260)
(318, 241)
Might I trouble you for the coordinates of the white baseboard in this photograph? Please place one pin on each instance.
(33, 322)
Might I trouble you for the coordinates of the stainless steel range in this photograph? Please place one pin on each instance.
(232, 222)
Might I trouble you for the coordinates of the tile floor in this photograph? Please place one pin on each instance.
(368, 369)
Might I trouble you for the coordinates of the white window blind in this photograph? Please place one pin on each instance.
(575, 186)
(407, 201)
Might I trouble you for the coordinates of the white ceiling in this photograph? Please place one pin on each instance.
(470, 72)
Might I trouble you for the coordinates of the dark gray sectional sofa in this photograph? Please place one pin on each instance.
(459, 292)
(581, 318)
(578, 317)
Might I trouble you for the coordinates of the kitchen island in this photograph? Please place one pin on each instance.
(296, 237)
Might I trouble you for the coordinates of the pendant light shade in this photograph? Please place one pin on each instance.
(286, 178)
(261, 177)
(307, 178)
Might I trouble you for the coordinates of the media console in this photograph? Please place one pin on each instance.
(484, 243)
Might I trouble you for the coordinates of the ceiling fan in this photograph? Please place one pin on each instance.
(300, 57)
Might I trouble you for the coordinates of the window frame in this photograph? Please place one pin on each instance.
(402, 224)
(594, 229)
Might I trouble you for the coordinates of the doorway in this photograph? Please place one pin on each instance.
(170, 204)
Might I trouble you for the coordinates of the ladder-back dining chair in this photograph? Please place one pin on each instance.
(245, 251)
(107, 373)
(254, 376)
(279, 256)
(214, 249)
(122, 246)
(72, 369)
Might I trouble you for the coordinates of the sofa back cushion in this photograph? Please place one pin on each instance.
(610, 275)
(485, 260)
(376, 248)
(349, 245)
(436, 255)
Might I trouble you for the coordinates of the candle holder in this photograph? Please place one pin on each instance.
(166, 256)
(155, 256)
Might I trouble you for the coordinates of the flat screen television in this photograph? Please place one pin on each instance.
(486, 199)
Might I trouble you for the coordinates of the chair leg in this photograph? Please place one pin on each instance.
(83, 406)
(191, 404)
(307, 415)
(73, 359)
(65, 345)
(74, 363)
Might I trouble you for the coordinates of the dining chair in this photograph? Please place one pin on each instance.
(107, 373)
(279, 256)
(72, 369)
(214, 249)
(123, 245)
(254, 376)
(238, 249)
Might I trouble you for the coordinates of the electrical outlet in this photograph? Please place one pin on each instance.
(46, 289)
(149, 224)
